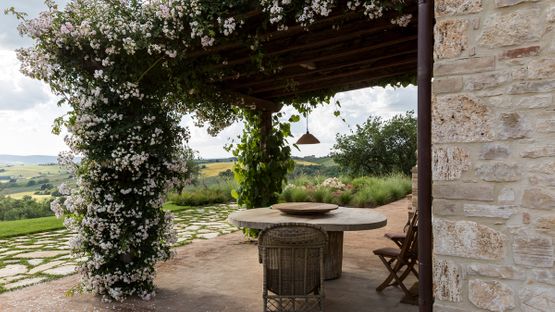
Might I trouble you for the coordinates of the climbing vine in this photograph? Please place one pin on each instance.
(129, 69)
(263, 159)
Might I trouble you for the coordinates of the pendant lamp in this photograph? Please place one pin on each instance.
(307, 138)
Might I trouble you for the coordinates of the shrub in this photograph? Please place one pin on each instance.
(299, 195)
(321, 194)
(357, 192)
(203, 196)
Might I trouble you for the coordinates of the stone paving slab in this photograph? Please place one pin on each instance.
(30, 259)
(223, 275)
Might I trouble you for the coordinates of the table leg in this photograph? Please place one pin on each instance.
(333, 260)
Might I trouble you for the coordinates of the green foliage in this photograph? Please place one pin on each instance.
(25, 208)
(379, 147)
(263, 161)
(29, 226)
(358, 192)
(201, 196)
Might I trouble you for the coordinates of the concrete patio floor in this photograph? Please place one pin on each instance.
(223, 275)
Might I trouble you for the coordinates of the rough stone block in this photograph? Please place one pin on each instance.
(486, 81)
(467, 239)
(539, 151)
(493, 151)
(533, 101)
(546, 126)
(496, 271)
(506, 29)
(457, 7)
(447, 85)
(460, 118)
(543, 276)
(533, 249)
(520, 52)
(536, 198)
(542, 179)
(467, 191)
(491, 295)
(499, 172)
(451, 38)
(441, 307)
(447, 280)
(537, 298)
(532, 86)
(547, 167)
(506, 195)
(536, 69)
(512, 126)
(546, 225)
(506, 3)
(489, 211)
(442, 207)
(448, 163)
(464, 66)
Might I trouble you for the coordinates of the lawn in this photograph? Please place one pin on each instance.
(29, 226)
(36, 225)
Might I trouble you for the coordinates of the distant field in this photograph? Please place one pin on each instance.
(30, 171)
(213, 169)
(31, 193)
(25, 173)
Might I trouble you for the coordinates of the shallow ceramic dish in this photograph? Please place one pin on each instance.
(304, 208)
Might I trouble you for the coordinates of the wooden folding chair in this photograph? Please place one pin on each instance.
(399, 237)
(400, 262)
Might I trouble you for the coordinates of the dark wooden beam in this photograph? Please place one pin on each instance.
(344, 65)
(368, 71)
(343, 85)
(319, 39)
(399, 42)
(251, 102)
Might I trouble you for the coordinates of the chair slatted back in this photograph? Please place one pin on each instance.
(292, 255)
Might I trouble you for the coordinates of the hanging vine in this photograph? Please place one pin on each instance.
(263, 160)
(128, 70)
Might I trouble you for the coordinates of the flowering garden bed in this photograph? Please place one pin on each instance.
(345, 191)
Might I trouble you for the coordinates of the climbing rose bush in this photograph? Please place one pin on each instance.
(129, 69)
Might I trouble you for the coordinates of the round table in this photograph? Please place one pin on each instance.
(334, 223)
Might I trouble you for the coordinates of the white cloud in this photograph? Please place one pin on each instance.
(356, 107)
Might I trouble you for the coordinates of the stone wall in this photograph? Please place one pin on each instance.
(494, 155)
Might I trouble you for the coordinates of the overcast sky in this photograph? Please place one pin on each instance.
(27, 107)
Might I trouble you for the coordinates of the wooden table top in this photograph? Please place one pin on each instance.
(342, 219)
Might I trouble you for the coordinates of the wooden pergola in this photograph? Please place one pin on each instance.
(344, 51)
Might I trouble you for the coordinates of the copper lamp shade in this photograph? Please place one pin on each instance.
(308, 138)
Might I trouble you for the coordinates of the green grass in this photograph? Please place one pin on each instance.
(364, 192)
(215, 194)
(37, 225)
(29, 226)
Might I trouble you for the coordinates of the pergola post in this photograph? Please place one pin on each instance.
(425, 68)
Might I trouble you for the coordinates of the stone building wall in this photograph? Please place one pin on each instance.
(494, 155)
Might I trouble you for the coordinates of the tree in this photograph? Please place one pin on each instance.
(379, 147)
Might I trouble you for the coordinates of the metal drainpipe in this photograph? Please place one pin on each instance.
(425, 68)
